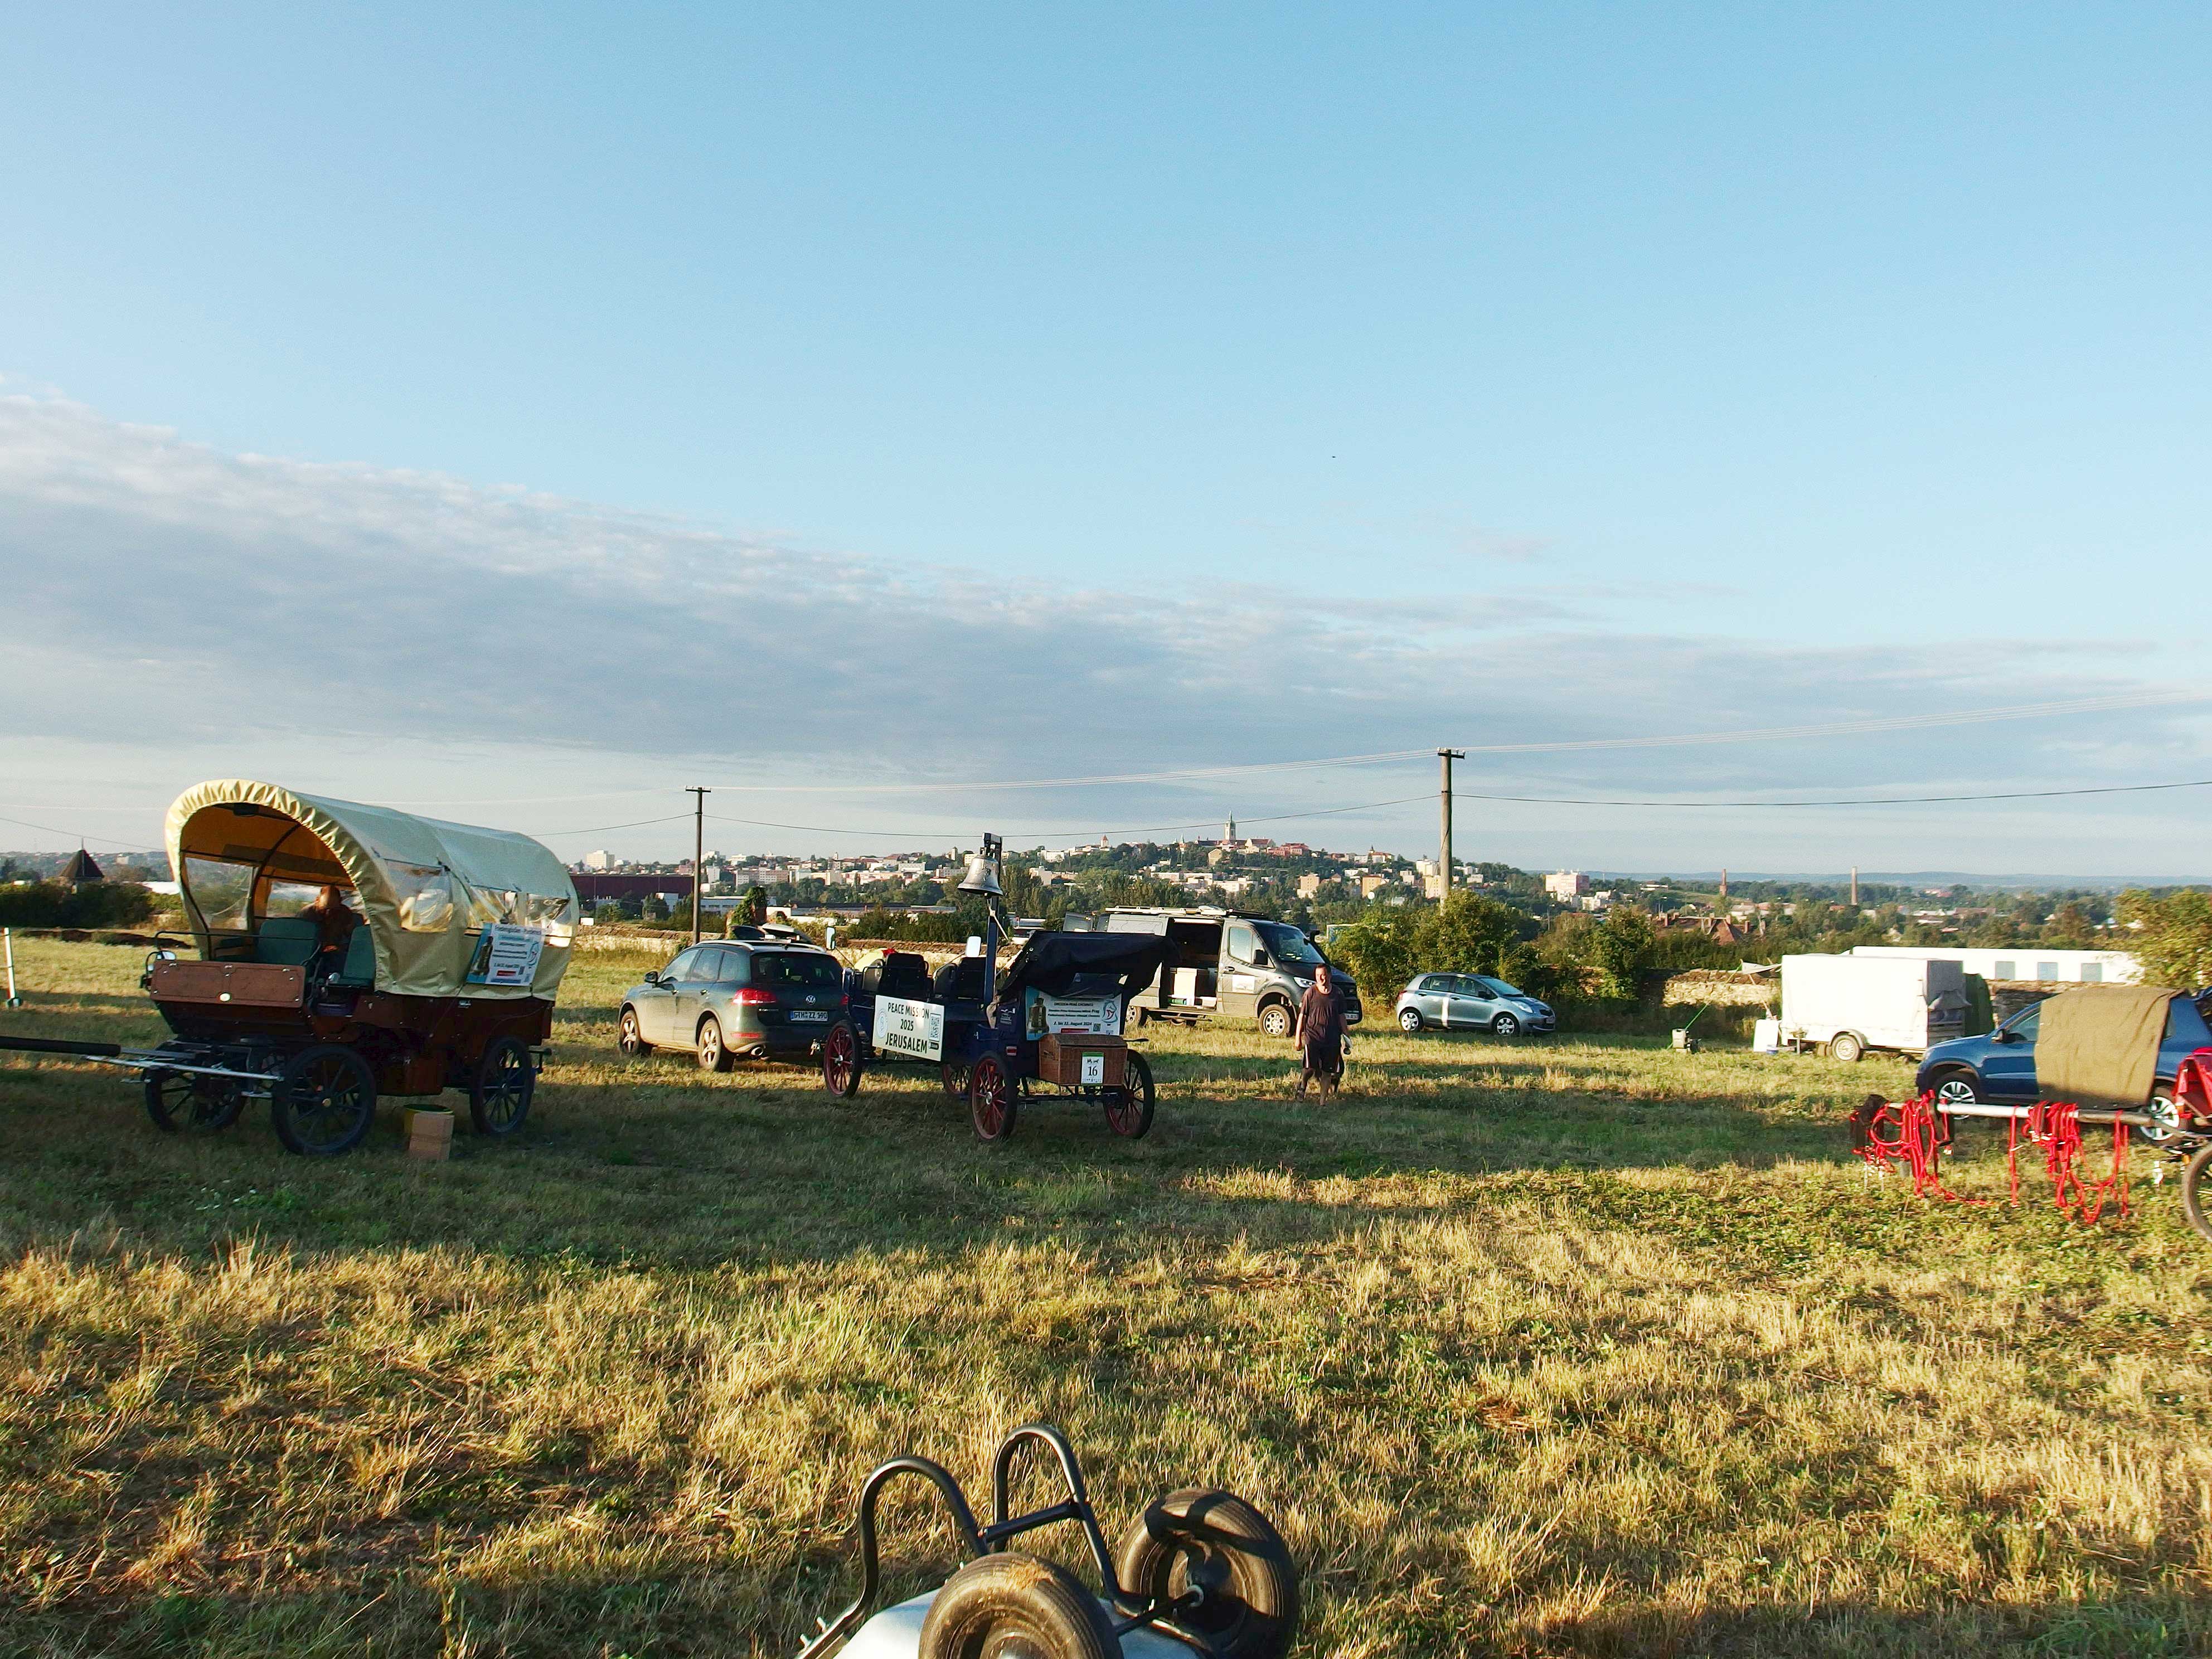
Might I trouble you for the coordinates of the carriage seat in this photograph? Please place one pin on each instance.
(287, 940)
(359, 968)
(905, 976)
(964, 981)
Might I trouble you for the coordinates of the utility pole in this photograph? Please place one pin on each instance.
(1855, 887)
(1445, 853)
(698, 850)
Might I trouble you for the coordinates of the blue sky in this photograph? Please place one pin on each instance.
(1141, 388)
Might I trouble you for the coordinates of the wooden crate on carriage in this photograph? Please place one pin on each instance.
(1061, 1057)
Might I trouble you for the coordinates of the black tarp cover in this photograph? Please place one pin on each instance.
(1053, 962)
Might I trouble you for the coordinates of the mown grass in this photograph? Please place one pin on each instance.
(1549, 1347)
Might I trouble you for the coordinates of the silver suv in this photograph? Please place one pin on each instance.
(1471, 1002)
(724, 1000)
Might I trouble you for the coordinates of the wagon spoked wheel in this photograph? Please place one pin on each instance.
(2196, 1175)
(1129, 1109)
(991, 1099)
(507, 1079)
(1218, 1546)
(324, 1101)
(180, 1100)
(841, 1060)
(954, 1073)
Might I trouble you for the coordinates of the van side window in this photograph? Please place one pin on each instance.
(2185, 1024)
(1241, 942)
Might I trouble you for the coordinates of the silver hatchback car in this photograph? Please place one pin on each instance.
(728, 999)
(1471, 1002)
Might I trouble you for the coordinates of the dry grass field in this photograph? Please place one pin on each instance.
(1556, 1347)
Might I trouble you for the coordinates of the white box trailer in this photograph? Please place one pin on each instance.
(1849, 1005)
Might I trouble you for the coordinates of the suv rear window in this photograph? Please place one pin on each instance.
(810, 969)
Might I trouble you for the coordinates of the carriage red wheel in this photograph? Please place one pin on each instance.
(991, 1099)
(841, 1060)
(1129, 1110)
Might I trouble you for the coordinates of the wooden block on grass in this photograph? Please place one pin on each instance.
(430, 1133)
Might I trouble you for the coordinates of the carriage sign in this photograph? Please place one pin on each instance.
(916, 1030)
(506, 955)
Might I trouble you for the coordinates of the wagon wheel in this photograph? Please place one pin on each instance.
(2194, 1179)
(991, 1101)
(205, 1105)
(1010, 1606)
(324, 1101)
(506, 1078)
(954, 1074)
(1129, 1109)
(1220, 1546)
(841, 1060)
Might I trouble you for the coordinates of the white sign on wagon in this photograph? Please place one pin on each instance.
(912, 1029)
(506, 955)
(1070, 1015)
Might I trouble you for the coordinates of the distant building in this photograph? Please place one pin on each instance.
(1566, 884)
(2029, 962)
(1309, 886)
(1371, 884)
(600, 861)
(82, 869)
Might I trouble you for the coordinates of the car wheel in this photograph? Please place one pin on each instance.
(1956, 1089)
(1275, 1020)
(713, 1055)
(1846, 1046)
(1410, 1021)
(631, 1039)
(1506, 1025)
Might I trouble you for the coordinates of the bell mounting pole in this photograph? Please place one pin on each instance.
(698, 850)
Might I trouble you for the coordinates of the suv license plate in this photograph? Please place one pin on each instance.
(817, 1015)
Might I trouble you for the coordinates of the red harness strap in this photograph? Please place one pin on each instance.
(1917, 1143)
(2055, 1125)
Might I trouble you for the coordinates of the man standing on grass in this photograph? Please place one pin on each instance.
(1321, 1036)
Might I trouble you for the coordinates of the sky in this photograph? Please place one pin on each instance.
(522, 414)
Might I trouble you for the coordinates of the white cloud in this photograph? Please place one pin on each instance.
(165, 593)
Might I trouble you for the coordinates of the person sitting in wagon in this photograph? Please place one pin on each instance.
(335, 922)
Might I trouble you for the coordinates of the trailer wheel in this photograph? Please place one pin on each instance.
(1222, 1547)
(1846, 1046)
(1276, 1020)
(506, 1082)
(991, 1102)
(205, 1105)
(2194, 1176)
(324, 1101)
(1138, 1017)
(841, 1060)
(1129, 1109)
(1010, 1606)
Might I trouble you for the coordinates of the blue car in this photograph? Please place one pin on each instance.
(2000, 1069)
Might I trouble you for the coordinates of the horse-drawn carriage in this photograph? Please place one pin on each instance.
(1054, 1019)
(345, 952)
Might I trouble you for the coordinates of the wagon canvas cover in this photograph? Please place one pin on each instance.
(428, 889)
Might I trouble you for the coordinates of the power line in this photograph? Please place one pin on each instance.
(48, 829)
(1149, 829)
(1860, 800)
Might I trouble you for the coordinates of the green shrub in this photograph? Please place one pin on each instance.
(57, 904)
